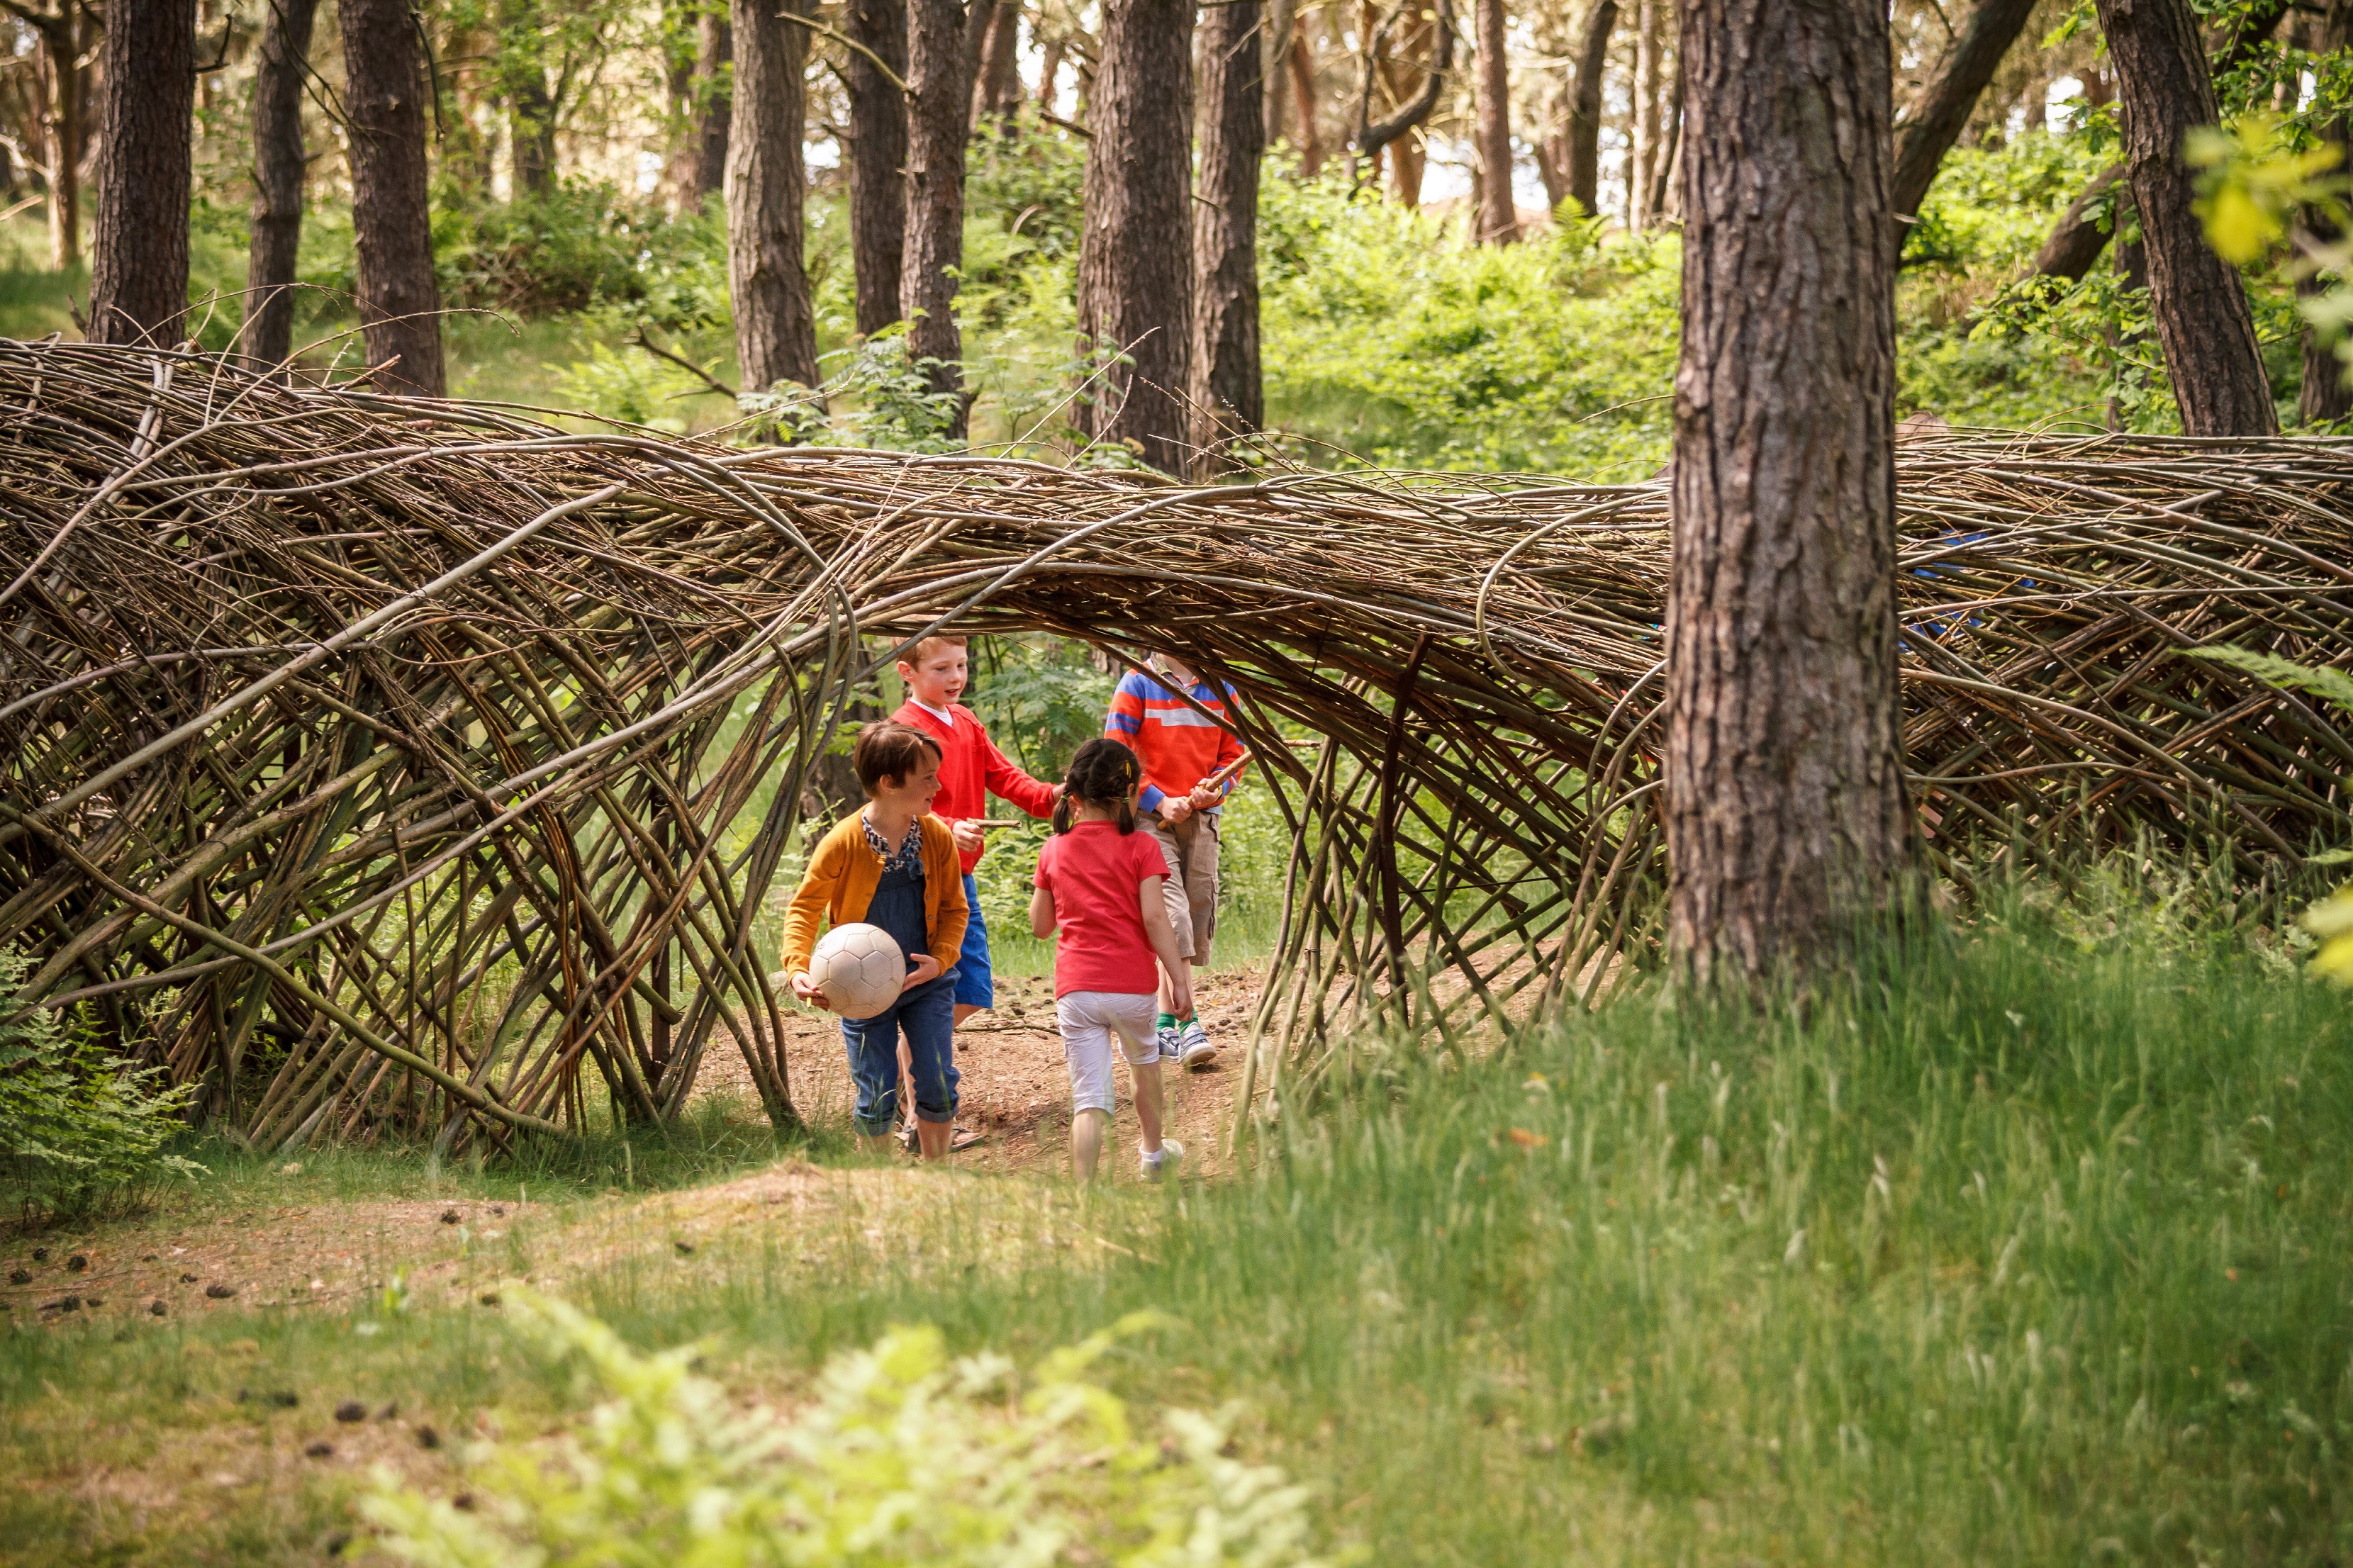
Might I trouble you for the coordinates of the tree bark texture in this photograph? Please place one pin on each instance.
(1135, 283)
(767, 188)
(1584, 151)
(939, 86)
(878, 156)
(996, 86)
(1499, 218)
(1787, 822)
(139, 245)
(1302, 92)
(979, 18)
(2197, 300)
(2322, 396)
(714, 108)
(1938, 116)
(1649, 52)
(1278, 31)
(383, 96)
(1225, 392)
(279, 168)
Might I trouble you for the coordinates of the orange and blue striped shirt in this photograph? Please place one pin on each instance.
(1177, 746)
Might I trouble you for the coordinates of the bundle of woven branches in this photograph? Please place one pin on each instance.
(383, 765)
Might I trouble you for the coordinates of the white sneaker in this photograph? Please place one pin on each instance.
(1171, 1154)
(1194, 1047)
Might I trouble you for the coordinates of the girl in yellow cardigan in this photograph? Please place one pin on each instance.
(892, 864)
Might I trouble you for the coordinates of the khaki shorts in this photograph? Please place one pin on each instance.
(1191, 888)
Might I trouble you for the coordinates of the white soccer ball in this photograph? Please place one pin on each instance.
(860, 970)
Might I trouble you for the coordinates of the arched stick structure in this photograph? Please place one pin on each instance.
(379, 766)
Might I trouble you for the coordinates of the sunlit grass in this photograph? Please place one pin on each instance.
(2033, 1248)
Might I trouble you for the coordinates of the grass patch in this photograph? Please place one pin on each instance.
(2034, 1248)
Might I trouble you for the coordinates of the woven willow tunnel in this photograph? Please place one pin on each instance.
(381, 766)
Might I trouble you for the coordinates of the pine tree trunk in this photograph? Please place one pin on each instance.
(1135, 281)
(1649, 53)
(139, 243)
(2198, 299)
(775, 325)
(2322, 395)
(1787, 823)
(1942, 111)
(1407, 159)
(1281, 19)
(279, 168)
(939, 88)
(878, 154)
(999, 60)
(1584, 151)
(1303, 91)
(532, 133)
(65, 129)
(1499, 217)
(1227, 398)
(1661, 201)
(714, 108)
(384, 94)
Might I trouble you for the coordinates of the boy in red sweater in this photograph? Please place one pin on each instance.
(971, 769)
(1181, 749)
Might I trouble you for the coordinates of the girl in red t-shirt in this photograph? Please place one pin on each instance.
(1099, 881)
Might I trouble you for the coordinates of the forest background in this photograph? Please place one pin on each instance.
(577, 218)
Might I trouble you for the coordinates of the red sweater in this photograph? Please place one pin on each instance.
(972, 769)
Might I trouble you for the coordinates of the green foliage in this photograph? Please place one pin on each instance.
(904, 1456)
(78, 1127)
(581, 246)
(1391, 337)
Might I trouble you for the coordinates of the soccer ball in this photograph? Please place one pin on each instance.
(860, 969)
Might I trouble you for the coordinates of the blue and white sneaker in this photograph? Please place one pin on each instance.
(1164, 1164)
(1169, 1041)
(1194, 1048)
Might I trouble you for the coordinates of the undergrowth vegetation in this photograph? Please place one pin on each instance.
(2030, 1244)
(1387, 337)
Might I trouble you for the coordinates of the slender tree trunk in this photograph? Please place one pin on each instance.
(1136, 282)
(775, 326)
(979, 18)
(714, 108)
(877, 154)
(1937, 117)
(139, 245)
(939, 87)
(1499, 218)
(384, 94)
(2323, 397)
(1787, 823)
(532, 133)
(2198, 299)
(66, 128)
(1226, 394)
(278, 167)
(1050, 70)
(1275, 57)
(1584, 150)
(1303, 92)
(1407, 158)
(1650, 50)
(1665, 204)
(1551, 167)
(1000, 57)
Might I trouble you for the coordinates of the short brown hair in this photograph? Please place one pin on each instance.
(923, 649)
(889, 750)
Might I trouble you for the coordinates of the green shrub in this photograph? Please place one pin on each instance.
(78, 1126)
(904, 1456)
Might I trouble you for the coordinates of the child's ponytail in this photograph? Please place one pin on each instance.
(1104, 773)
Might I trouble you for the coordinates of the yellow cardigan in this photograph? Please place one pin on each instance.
(840, 881)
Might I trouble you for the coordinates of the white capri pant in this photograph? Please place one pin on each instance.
(1089, 1019)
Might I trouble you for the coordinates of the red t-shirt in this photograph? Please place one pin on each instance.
(1095, 872)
